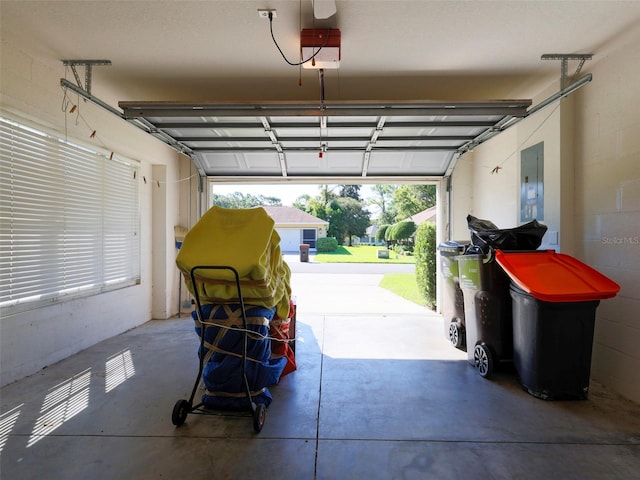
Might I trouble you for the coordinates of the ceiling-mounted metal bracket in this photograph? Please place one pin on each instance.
(88, 65)
(509, 121)
(564, 66)
(140, 123)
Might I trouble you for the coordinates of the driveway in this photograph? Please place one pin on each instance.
(348, 288)
(353, 268)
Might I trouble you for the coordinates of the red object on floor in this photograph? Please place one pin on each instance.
(280, 332)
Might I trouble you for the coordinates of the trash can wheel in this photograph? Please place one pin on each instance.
(259, 415)
(483, 360)
(180, 412)
(456, 334)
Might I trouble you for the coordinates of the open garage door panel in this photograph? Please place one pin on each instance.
(363, 140)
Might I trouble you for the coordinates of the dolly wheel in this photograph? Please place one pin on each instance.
(180, 412)
(483, 360)
(455, 335)
(259, 414)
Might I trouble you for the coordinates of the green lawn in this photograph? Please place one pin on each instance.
(361, 254)
(404, 285)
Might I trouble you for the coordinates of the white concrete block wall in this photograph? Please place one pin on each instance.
(493, 170)
(592, 195)
(607, 183)
(29, 341)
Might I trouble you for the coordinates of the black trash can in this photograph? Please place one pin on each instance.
(304, 252)
(452, 298)
(554, 299)
(485, 286)
(552, 343)
(487, 309)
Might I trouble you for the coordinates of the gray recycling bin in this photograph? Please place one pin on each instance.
(452, 298)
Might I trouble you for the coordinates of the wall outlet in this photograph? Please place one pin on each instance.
(264, 12)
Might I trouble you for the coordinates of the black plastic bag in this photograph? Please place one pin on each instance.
(487, 236)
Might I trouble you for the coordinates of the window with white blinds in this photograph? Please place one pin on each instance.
(69, 220)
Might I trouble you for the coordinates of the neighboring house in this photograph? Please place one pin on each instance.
(370, 236)
(295, 227)
(428, 215)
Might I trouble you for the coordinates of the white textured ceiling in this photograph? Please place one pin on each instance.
(221, 50)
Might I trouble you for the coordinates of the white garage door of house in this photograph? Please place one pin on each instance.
(289, 239)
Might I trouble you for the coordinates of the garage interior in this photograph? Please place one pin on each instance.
(197, 93)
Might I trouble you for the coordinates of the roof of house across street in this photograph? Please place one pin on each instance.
(283, 215)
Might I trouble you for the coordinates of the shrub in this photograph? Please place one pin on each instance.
(389, 234)
(403, 249)
(326, 244)
(425, 252)
(381, 232)
(402, 230)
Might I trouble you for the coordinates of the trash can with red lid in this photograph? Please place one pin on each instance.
(554, 300)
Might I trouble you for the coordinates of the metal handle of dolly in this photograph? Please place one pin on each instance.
(202, 333)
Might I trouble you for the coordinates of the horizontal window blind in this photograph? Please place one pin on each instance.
(69, 219)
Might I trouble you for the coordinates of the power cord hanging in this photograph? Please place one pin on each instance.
(295, 64)
(300, 29)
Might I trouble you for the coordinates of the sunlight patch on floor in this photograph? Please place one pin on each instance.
(119, 368)
(63, 402)
(7, 422)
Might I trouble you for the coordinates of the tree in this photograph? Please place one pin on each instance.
(381, 234)
(383, 199)
(266, 200)
(402, 230)
(240, 200)
(302, 202)
(326, 194)
(412, 199)
(347, 218)
(350, 191)
(317, 208)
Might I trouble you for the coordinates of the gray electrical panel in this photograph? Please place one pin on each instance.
(532, 183)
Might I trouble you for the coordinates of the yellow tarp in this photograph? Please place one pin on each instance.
(246, 240)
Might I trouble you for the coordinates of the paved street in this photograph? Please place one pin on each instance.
(293, 260)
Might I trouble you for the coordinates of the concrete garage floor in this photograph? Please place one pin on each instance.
(379, 394)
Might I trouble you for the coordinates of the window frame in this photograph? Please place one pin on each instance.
(69, 218)
(308, 240)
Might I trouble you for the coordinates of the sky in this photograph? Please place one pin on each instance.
(287, 193)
